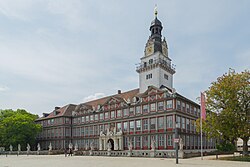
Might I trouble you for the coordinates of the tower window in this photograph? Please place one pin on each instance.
(149, 76)
(150, 61)
(166, 76)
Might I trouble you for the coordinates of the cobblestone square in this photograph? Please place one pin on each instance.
(94, 161)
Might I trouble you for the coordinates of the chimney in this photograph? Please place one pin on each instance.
(45, 114)
(119, 92)
(56, 108)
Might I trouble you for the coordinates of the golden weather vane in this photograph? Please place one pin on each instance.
(155, 10)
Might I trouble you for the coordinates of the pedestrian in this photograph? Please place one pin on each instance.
(65, 152)
(70, 153)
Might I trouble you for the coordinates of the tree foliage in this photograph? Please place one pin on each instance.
(228, 99)
(18, 127)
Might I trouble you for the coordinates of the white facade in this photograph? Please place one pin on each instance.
(154, 74)
(156, 70)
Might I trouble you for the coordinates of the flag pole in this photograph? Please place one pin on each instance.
(201, 117)
(201, 139)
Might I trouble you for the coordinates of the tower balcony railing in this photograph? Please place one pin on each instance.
(146, 65)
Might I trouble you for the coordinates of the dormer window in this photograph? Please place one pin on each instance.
(52, 121)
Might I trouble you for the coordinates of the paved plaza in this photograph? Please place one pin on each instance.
(89, 161)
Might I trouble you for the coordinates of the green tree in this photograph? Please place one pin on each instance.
(228, 99)
(18, 127)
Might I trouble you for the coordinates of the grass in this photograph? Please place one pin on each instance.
(236, 158)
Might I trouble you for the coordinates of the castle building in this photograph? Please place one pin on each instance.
(135, 118)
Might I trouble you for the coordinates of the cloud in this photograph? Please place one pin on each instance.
(70, 49)
(41, 59)
(3, 88)
(18, 9)
(72, 14)
(93, 97)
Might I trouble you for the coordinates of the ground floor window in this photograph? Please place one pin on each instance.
(195, 140)
(161, 140)
(152, 139)
(138, 141)
(191, 141)
(145, 141)
(126, 141)
(187, 140)
(199, 141)
(132, 140)
(170, 140)
(96, 130)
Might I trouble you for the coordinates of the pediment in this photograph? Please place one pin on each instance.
(151, 91)
(113, 100)
(83, 107)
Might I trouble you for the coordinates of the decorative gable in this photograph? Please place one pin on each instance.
(151, 91)
(112, 100)
(113, 103)
(152, 94)
(160, 96)
(82, 109)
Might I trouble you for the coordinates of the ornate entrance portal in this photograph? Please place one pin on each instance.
(112, 137)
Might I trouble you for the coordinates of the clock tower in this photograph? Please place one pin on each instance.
(155, 68)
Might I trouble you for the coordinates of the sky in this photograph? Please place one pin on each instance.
(57, 52)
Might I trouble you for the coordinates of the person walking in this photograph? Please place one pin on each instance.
(65, 152)
(70, 151)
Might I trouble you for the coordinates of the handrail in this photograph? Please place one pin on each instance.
(155, 62)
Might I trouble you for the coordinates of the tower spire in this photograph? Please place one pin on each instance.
(156, 28)
(155, 68)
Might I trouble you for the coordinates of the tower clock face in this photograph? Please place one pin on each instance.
(149, 50)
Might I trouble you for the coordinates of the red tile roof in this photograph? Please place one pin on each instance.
(67, 110)
(126, 95)
(63, 111)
